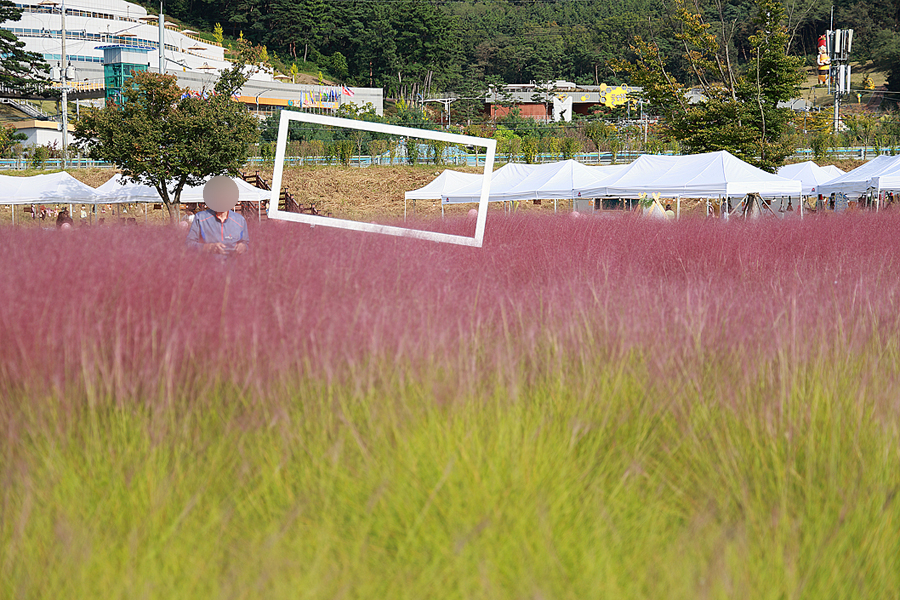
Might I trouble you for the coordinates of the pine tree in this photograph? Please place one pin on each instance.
(18, 68)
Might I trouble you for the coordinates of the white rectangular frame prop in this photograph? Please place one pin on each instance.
(489, 144)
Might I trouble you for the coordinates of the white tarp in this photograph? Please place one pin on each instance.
(113, 192)
(883, 171)
(887, 183)
(444, 184)
(709, 175)
(502, 180)
(563, 180)
(55, 188)
(811, 175)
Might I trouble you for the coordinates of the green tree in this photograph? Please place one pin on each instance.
(531, 146)
(218, 33)
(9, 137)
(863, 127)
(570, 147)
(166, 139)
(598, 132)
(39, 156)
(886, 55)
(739, 110)
(18, 68)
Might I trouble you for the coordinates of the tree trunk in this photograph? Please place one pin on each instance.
(173, 207)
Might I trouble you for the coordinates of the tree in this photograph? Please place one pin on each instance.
(167, 138)
(739, 111)
(18, 68)
(9, 137)
(598, 132)
(863, 127)
(886, 55)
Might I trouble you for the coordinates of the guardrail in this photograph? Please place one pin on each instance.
(20, 164)
(470, 160)
(91, 85)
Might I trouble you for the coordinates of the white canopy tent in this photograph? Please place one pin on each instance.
(882, 173)
(115, 192)
(55, 188)
(502, 180)
(811, 175)
(709, 175)
(562, 180)
(445, 183)
(557, 181)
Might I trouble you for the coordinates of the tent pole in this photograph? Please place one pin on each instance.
(677, 207)
(405, 201)
(442, 210)
(554, 204)
(12, 207)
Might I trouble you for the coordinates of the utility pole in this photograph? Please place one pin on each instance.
(64, 71)
(162, 40)
(839, 43)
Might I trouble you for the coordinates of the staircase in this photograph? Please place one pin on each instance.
(32, 110)
(287, 201)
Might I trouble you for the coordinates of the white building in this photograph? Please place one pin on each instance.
(91, 24)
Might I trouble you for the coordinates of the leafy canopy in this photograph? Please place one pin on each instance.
(163, 136)
(18, 68)
(739, 109)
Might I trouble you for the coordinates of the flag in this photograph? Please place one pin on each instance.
(346, 91)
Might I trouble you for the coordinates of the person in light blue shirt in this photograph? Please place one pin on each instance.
(219, 229)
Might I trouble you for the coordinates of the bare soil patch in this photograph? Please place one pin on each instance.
(378, 192)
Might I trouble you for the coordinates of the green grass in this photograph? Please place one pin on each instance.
(591, 480)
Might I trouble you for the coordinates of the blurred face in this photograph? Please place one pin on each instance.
(220, 194)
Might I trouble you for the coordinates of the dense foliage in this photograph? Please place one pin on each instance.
(407, 45)
(739, 111)
(18, 68)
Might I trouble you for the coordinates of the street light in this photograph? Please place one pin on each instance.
(162, 40)
(257, 100)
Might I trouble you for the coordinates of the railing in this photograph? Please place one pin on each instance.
(290, 203)
(91, 85)
(200, 39)
(20, 164)
(29, 108)
(588, 158)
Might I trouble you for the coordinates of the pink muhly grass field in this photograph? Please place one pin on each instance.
(130, 312)
(583, 408)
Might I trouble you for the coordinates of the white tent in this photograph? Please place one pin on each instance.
(563, 180)
(55, 188)
(502, 180)
(114, 192)
(710, 175)
(810, 175)
(881, 173)
(445, 183)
